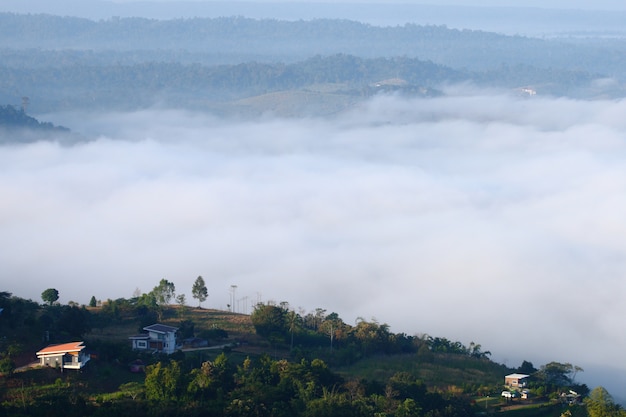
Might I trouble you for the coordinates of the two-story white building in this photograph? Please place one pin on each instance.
(158, 338)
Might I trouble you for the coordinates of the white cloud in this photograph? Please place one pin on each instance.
(480, 218)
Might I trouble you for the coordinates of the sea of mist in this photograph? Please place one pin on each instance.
(479, 216)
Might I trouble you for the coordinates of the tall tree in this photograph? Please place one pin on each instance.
(526, 368)
(75, 321)
(199, 290)
(182, 307)
(164, 292)
(601, 404)
(332, 326)
(4, 297)
(93, 302)
(50, 296)
(558, 373)
(270, 321)
(294, 322)
(164, 383)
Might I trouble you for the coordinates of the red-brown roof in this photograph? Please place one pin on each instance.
(62, 348)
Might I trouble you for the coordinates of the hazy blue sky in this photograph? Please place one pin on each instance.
(566, 4)
(559, 4)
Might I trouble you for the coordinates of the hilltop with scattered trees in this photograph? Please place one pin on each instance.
(273, 362)
(12, 118)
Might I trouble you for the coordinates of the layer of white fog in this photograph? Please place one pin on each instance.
(481, 217)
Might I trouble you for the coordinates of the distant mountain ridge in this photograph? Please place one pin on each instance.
(224, 40)
(218, 87)
(68, 63)
(509, 17)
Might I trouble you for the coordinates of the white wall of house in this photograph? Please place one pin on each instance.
(67, 361)
(168, 340)
(164, 342)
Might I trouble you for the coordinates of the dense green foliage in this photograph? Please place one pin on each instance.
(601, 404)
(202, 86)
(50, 296)
(330, 337)
(24, 324)
(313, 365)
(164, 292)
(194, 85)
(258, 386)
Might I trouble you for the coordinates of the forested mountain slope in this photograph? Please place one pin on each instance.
(237, 39)
(65, 63)
(338, 78)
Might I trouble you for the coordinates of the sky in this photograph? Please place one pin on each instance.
(479, 216)
(561, 4)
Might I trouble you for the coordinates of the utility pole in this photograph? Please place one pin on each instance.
(233, 289)
(245, 304)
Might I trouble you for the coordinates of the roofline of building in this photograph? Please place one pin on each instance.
(148, 328)
(77, 348)
(139, 336)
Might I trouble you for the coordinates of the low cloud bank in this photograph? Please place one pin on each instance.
(483, 218)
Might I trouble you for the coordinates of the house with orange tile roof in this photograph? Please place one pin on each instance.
(65, 356)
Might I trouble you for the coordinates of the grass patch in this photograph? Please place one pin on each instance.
(444, 371)
(321, 100)
(536, 410)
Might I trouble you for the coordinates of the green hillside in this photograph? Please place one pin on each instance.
(273, 362)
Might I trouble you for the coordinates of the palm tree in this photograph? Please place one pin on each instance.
(294, 322)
